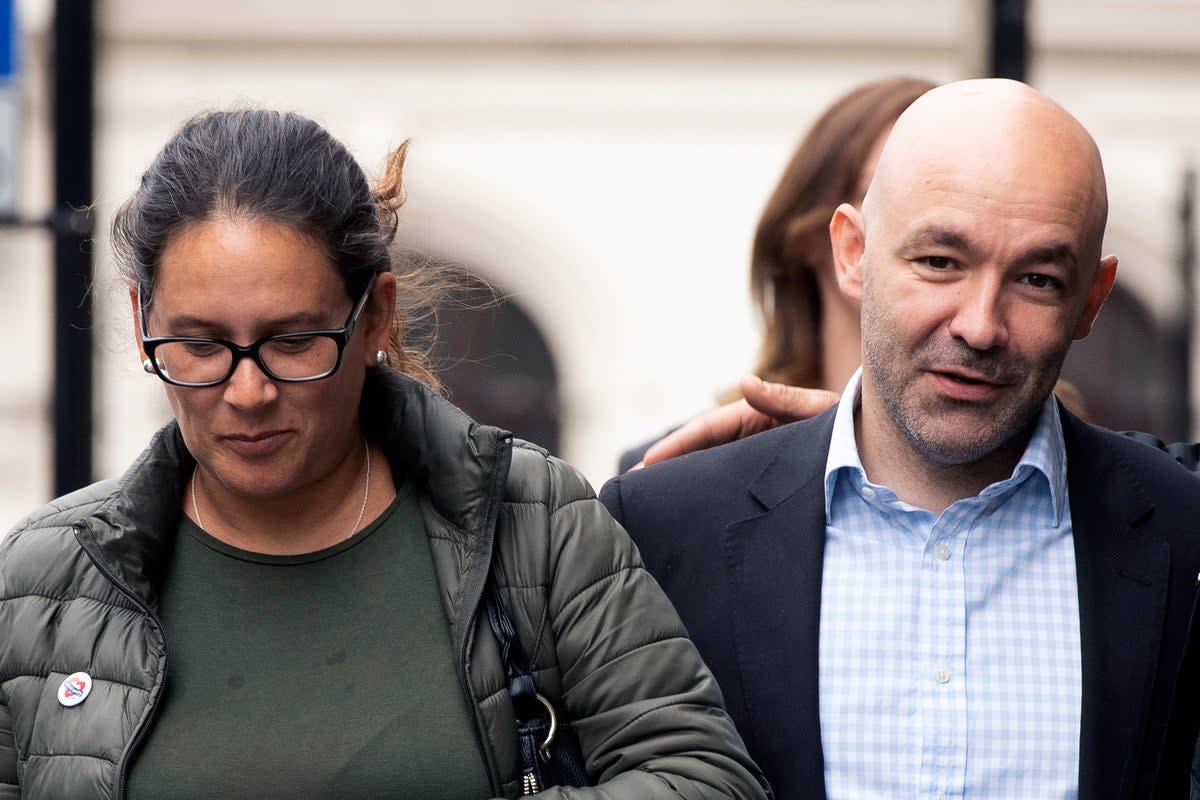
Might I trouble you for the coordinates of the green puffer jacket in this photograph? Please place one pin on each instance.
(77, 592)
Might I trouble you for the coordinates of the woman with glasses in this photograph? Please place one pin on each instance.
(297, 590)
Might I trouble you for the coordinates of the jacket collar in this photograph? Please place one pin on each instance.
(1123, 575)
(431, 441)
(427, 439)
(134, 528)
(775, 558)
(1044, 454)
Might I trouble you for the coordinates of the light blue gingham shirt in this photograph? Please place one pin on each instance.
(949, 661)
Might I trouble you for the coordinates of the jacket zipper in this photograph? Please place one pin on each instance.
(473, 590)
(139, 735)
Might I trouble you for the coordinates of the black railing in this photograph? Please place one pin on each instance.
(1009, 52)
(71, 224)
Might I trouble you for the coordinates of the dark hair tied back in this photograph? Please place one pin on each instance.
(274, 166)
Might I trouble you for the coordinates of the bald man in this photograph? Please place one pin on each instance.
(947, 585)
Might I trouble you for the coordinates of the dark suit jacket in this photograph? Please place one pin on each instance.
(736, 537)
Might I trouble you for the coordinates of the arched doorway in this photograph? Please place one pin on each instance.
(495, 363)
(1132, 370)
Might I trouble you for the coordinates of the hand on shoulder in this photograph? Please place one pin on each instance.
(764, 405)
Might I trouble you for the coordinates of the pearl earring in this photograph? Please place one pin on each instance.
(147, 366)
(381, 358)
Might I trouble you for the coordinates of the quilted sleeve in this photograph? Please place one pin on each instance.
(648, 713)
(9, 789)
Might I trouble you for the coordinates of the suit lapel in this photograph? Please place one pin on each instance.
(1123, 580)
(775, 563)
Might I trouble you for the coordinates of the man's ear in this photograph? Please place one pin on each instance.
(848, 238)
(379, 316)
(1106, 275)
(137, 324)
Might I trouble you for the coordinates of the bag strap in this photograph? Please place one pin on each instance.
(537, 721)
(512, 654)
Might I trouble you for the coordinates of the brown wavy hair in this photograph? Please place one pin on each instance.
(791, 244)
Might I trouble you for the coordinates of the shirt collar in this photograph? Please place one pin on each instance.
(1046, 452)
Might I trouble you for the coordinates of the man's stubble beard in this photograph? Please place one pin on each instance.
(894, 371)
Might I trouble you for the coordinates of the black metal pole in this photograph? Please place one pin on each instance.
(74, 40)
(1009, 53)
(1187, 269)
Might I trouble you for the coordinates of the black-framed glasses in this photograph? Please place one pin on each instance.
(197, 361)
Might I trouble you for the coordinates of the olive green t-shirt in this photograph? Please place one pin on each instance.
(327, 675)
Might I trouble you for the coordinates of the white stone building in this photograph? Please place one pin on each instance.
(603, 162)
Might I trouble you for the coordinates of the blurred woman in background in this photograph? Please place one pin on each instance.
(811, 331)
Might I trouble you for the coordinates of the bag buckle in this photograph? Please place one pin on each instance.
(544, 747)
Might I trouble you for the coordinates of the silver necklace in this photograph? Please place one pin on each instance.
(361, 510)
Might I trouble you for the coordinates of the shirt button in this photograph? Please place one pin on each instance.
(868, 492)
(942, 550)
(941, 675)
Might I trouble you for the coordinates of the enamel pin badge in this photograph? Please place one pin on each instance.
(74, 689)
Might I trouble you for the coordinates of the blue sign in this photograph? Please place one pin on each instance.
(9, 55)
(10, 105)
